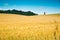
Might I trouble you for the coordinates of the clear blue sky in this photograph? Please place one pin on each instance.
(37, 6)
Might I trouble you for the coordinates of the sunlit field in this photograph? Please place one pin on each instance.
(39, 27)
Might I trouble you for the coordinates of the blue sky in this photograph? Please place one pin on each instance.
(37, 6)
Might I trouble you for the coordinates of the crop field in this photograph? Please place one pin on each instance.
(39, 27)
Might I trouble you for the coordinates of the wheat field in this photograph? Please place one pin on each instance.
(19, 27)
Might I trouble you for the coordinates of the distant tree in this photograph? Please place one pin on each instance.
(7, 11)
(44, 13)
(1, 11)
(29, 13)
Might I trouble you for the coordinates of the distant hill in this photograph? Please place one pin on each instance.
(28, 13)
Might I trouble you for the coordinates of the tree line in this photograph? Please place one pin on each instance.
(28, 13)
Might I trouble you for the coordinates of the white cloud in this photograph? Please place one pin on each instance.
(5, 4)
(14, 5)
(0, 8)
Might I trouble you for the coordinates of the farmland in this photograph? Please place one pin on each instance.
(39, 27)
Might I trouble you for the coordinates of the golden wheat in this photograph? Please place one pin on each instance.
(17, 27)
